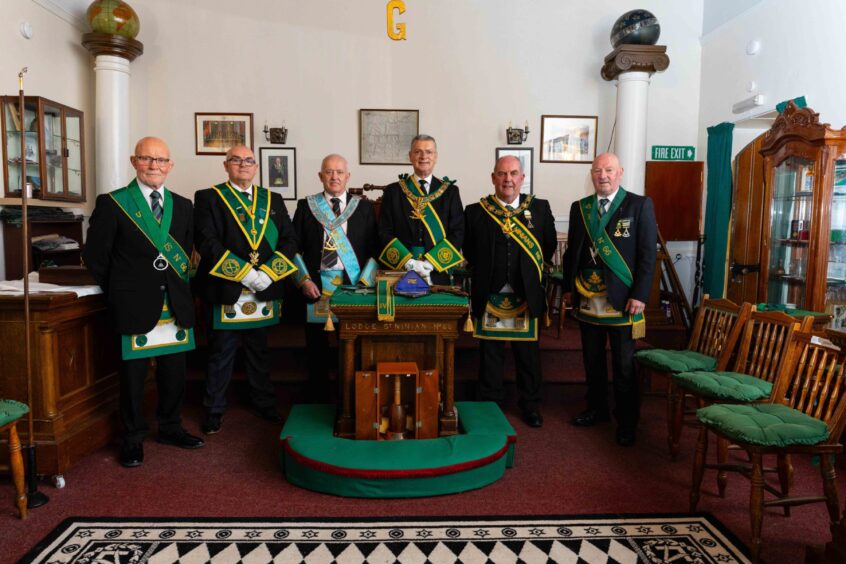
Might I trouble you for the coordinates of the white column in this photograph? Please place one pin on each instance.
(630, 131)
(111, 122)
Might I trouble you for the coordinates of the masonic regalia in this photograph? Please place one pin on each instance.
(506, 318)
(167, 337)
(319, 311)
(247, 313)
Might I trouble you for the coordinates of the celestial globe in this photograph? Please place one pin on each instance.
(114, 17)
(636, 27)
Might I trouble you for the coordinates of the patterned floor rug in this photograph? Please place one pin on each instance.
(622, 539)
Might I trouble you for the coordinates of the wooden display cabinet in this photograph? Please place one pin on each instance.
(53, 162)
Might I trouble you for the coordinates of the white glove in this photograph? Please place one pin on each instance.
(264, 281)
(249, 279)
(424, 268)
(410, 264)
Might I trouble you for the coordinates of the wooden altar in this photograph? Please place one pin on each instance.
(424, 331)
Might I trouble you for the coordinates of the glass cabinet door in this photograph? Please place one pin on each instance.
(55, 182)
(73, 150)
(835, 295)
(27, 165)
(790, 216)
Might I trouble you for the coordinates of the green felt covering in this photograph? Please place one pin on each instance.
(351, 298)
(765, 424)
(11, 410)
(724, 386)
(789, 311)
(444, 465)
(666, 360)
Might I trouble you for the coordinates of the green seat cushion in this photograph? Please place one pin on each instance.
(11, 410)
(764, 424)
(724, 386)
(667, 360)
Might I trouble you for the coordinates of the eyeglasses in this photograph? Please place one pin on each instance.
(147, 160)
(238, 161)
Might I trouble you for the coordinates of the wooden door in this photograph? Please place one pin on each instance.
(676, 190)
(747, 215)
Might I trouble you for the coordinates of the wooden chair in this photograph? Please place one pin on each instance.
(805, 415)
(10, 412)
(763, 345)
(716, 329)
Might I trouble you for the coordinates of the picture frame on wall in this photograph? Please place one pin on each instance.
(568, 139)
(216, 133)
(279, 170)
(526, 156)
(385, 135)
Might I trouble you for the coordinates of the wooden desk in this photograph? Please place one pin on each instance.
(424, 331)
(75, 359)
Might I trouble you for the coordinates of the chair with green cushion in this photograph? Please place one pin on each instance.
(806, 414)
(762, 347)
(10, 412)
(716, 329)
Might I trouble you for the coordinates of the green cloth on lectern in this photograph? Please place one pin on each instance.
(343, 297)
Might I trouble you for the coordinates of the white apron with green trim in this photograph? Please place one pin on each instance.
(167, 337)
(506, 318)
(247, 313)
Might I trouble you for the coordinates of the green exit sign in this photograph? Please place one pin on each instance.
(672, 153)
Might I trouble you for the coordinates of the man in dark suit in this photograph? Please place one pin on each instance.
(509, 237)
(421, 220)
(137, 249)
(245, 239)
(337, 239)
(608, 268)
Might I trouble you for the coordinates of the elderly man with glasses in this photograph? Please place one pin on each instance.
(137, 248)
(245, 240)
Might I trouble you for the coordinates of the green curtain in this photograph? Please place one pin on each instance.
(717, 210)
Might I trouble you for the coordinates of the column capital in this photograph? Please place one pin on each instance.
(110, 44)
(641, 58)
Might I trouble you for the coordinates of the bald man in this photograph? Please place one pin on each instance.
(137, 248)
(608, 268)
(509, 236)
(337, 238)
(246, 243)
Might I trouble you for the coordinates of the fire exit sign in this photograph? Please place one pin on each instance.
(672, 153)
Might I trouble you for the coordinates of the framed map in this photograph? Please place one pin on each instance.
(385, 135)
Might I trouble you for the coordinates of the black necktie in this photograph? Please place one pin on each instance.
(155, 200)
(330, 253)
(602, 203)
(423, 187)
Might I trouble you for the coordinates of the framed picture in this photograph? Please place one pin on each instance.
(568, 139)
(279, 170)
(526, 156)
(384, 136)
(215, 134)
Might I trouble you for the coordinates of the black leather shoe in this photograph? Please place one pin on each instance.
(589, 418)
(626, 437)
(268, 413)
(180, 439)
(131, 455)
(533, 418)
(212, 422)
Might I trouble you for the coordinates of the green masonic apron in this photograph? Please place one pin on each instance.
(506, 315)
(594, 306)
(253, 218)
(167, 337)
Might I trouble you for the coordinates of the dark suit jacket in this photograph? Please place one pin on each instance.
(217, 232)
(120, 258)
(361, 231)
(638, 250)
(479, 252)
(395, 217)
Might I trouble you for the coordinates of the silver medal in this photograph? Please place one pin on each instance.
(160, 263)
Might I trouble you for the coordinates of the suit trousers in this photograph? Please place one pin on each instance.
(626, 393)
(170, 382)
(492, 368)
(223, 344)
(319, 360)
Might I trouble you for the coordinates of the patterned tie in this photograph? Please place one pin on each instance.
(155, 200)
(602, 203)
(423, 187)
(330, 254)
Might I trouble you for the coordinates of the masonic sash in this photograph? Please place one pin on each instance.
(333, 226)
(165, 338)
(512, 227)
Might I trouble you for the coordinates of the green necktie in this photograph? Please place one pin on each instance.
(602, 203)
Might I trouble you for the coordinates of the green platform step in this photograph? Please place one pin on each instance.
(314, 459)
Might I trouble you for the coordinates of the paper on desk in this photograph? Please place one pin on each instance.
(15, 287)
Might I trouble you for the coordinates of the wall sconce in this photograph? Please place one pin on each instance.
(275, 135)
(516, 136)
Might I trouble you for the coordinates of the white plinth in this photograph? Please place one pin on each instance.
(111, 125)
(630, 134)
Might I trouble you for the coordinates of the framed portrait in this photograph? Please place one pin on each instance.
(526, 156)
(215, 134)
(384, 136)
(279, 170)
(568, 139)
